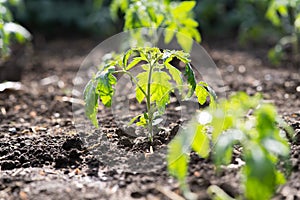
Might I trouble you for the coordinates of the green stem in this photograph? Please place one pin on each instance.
(148, 99)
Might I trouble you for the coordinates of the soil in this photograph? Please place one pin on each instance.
(45, 156)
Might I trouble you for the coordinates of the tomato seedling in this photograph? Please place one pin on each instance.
(175, 17)
(244, 121)
(153, 85)
(285, 14)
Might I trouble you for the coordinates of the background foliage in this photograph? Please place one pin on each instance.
(259, 22)
(9, 30)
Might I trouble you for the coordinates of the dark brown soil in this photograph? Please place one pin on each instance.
(44, 156)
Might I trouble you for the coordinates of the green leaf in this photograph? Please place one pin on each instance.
(170, 32)
(142, 120)
(276, 147)
(177, 159)
(201, 94)
(126, 57)
(105, 81)
(189, 22)
(142, 82)
(189, 73)
(134, 62)
(91, 102)
(266, 121)
(160, 88)
(175, 73)
(139, 95)
(209, 92)
(184, 39)
(200, 143)
(185, 6)
(224, 146)
(195, 34)
(259, 174)
(134, 119)
(297, 22)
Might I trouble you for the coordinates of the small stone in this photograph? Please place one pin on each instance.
(242, 69)
(12, 130)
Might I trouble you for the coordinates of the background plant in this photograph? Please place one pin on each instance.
(241, 121)
(8, 29)
(176, 17)
(285, 14)
(154, 84)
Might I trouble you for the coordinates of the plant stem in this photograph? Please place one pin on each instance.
(148, 99)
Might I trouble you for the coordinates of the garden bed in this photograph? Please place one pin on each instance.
(43, 156)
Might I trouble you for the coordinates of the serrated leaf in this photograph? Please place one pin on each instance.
(200, 143)
(189, 73)
(105, 81)
(201, 94)
(91, 102)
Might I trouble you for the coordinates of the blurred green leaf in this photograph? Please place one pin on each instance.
(224, 146)
(177, 160)
(259, 174)
(184, 39)
(201, 142)
(185, 6)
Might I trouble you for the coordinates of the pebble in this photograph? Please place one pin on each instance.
(12, 130)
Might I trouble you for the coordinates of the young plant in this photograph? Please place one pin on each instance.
(176, 17)
(8, 29)
(153, 85)
(285, 14)
(241, 121)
